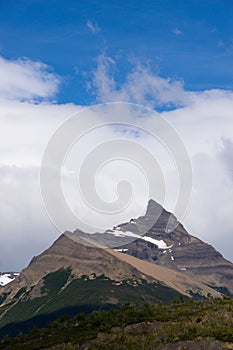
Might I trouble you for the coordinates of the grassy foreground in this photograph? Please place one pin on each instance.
(134, 327)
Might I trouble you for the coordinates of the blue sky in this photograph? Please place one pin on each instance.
(186, 40)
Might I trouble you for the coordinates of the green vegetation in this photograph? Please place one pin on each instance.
(133, 327)
(56, 280)
(20, 292)
(62, 293)
(3, 298)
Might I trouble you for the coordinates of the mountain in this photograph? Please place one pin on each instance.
(172, 248)
(186, 253)
(7, 277)
(70, 277)
(80, 272)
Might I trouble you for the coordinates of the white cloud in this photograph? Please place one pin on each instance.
(25, 129)
(141, 86)
(94, 28)
(206, 126)
(24, 79)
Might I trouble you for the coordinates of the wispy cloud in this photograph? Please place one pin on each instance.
(94, 28)
(144, 86)
(141, 86)
(177, 31)
(24, 79)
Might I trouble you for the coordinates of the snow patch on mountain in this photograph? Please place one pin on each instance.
(6, 278)
(121, 250)
(160, 243)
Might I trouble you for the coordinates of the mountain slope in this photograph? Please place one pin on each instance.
(85, 260)
(70, 277)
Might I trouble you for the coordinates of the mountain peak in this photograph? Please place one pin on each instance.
(153, 208)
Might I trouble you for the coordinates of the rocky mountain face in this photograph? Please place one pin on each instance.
(147, 261)
(186, 253)
(175, 249)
